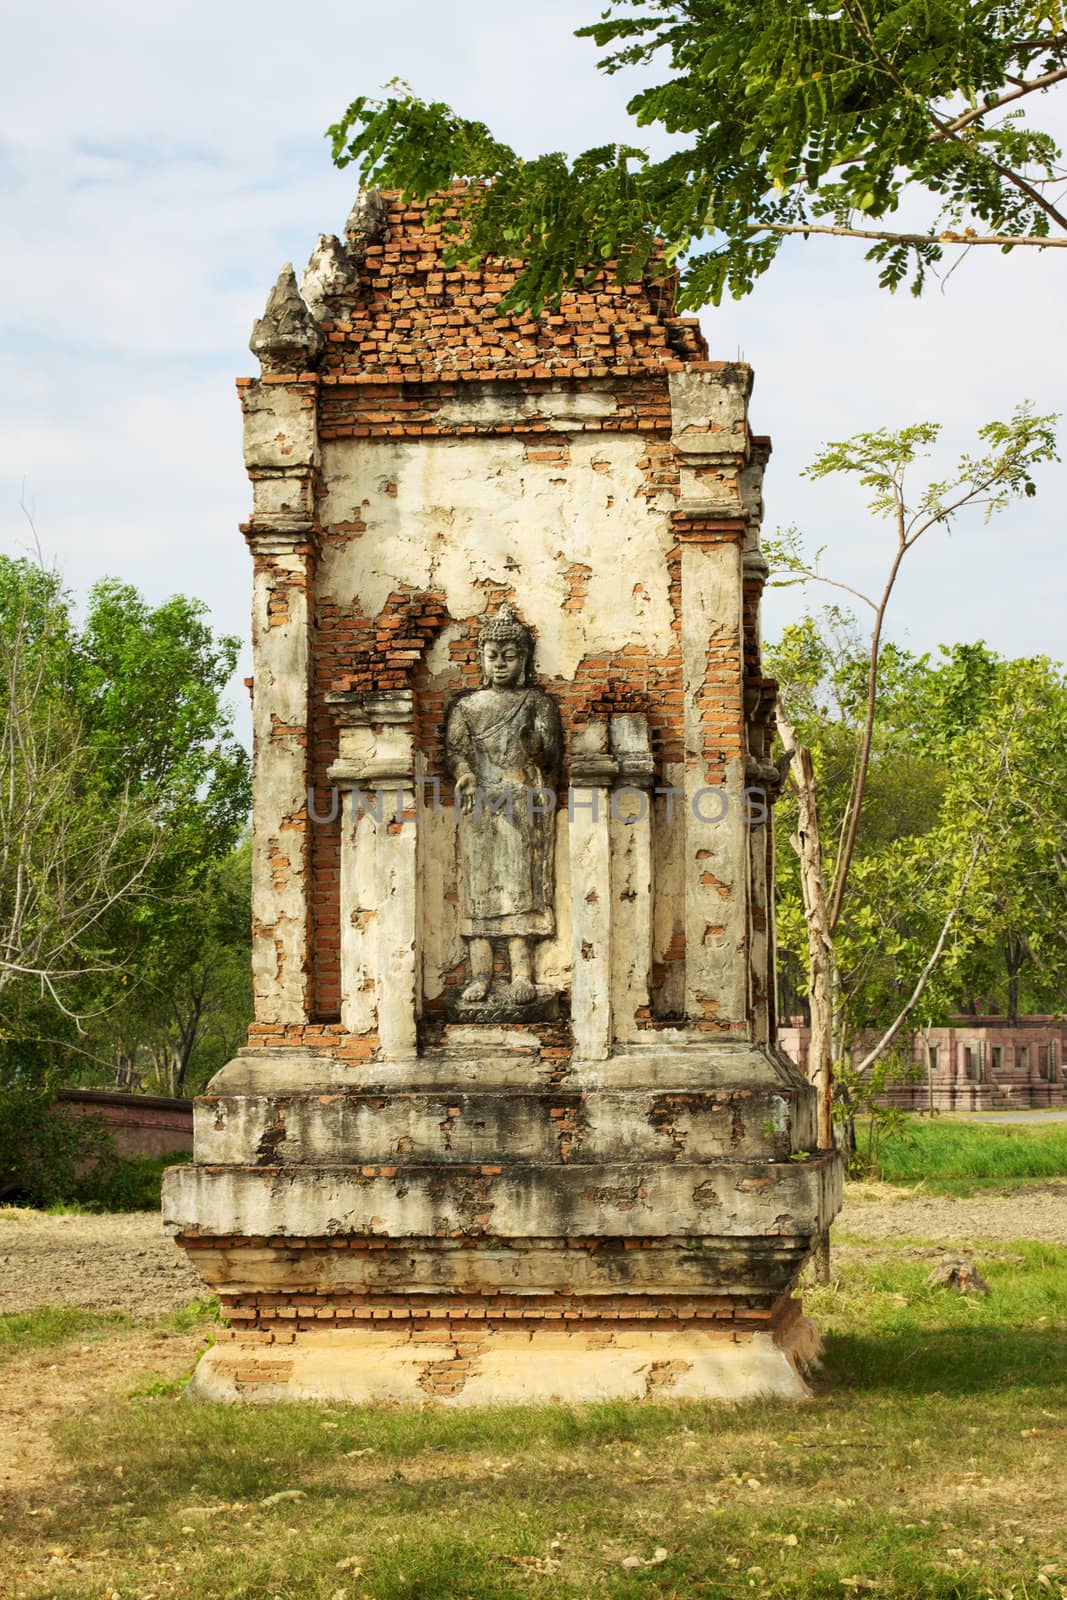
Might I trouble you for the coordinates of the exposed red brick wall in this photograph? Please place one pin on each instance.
(255, 1349)
(366, 406)
(140, 1124)
(411, 316)
(721, 697)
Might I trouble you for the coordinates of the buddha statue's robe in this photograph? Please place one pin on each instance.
(509, 741)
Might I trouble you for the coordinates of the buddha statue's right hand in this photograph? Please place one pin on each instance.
(465, 787)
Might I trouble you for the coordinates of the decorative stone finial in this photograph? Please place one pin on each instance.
(365, 222)
(328, 272)
(286, 338)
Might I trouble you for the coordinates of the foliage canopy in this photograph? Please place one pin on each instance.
(951, 730)
(124, 786)
(783, 117)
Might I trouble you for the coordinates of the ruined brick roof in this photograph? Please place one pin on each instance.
(409, 317)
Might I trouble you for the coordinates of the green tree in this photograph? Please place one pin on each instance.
(948, 731)
(188, 1007)
(883, 462)
(785, 117)
(124, 787)
(821, 664)
(957, 710)
(73, 848)
(150, 681)
(150, 686)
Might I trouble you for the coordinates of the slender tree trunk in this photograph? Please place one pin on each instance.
(808, 846)
(1014, 957)
(929, 1068)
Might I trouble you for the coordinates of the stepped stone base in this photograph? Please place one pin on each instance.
(485, 1363)
(491, 1226)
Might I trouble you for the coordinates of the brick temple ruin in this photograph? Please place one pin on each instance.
(971, 1064)
(512, 1122)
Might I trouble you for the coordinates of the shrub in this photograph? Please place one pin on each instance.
(50, 1157)
(127, 1183)
(43, 1150)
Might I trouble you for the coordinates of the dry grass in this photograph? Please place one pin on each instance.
(931, 1464)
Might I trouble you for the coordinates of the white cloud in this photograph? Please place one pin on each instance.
(158, 164)
(834, 354)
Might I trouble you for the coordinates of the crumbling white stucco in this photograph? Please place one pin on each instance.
(464, 516)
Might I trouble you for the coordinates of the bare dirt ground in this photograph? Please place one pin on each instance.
(1032, 1211)
(108, 1263)
(127, 1263)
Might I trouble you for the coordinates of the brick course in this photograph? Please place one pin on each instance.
(412, 317)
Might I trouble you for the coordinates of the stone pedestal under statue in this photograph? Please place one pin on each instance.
(512, 1124)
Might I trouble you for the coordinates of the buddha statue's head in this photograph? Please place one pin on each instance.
(505, 650)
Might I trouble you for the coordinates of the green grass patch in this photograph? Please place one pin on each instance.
(50, 1325)
(930, 1465)
(952, 1157)
(187, 1319)
(57, 1325)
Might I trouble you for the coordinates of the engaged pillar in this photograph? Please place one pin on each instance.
(280, 454)
(376, 770)
(631, 874)
(593, 769)
(710, 434)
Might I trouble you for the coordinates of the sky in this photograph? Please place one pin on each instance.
(159, 164)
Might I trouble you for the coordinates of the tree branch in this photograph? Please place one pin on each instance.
(924, 977)
(945, 130)
(844, 861)
(947, 237)
(1026, 86)
(1053, 45)
(1027, 188)
(811, 576)
(916, 995)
